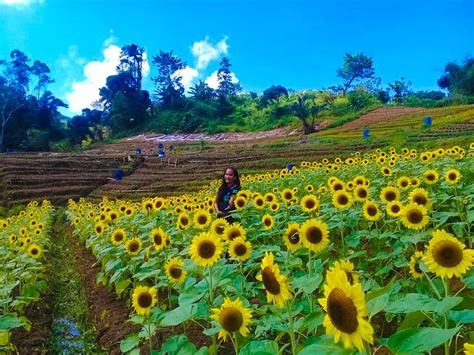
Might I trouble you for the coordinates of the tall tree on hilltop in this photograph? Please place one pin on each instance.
(306, 110)
(400, 88)
(168, 86)
(202, 92)
(459, 79)
(132, 58)
(226, 86)
(41, 71)
(356, 67)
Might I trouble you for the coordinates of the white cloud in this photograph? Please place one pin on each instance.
(213, 83)
(111, 40)
(187, 76)
(19, 3)
(204, 52)
(84, 93)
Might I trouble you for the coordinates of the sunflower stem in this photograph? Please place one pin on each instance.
(241, 277)
(211, 298)
(310, 273)
(432, 285)
(236, 343)
(446, 320)
(291, 329)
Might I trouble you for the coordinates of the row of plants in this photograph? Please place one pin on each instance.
(24, 240)
(345, 256)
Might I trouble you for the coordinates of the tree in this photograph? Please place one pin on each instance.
(12, 99)
(202, 92)
(458, 79)
(305, 111)
(356, 67)
(168, 86)
(226, 86)
(41, 71)
(18, 70)
(400, 88)
(131, 61)
(121, 82)
(273, 93)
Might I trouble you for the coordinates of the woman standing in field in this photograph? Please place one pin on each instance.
(226, 194)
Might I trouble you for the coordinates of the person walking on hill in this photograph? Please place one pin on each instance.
(226, 194)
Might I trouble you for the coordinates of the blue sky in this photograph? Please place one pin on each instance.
(298, 44)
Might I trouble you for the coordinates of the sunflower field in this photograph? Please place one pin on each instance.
(23, 240)
(371, 253)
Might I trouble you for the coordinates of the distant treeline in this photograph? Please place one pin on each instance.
(30, 119)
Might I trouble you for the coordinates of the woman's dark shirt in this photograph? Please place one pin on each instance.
(228, 192)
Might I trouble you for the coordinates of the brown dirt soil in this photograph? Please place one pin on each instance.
(35, 341)
(108, 313)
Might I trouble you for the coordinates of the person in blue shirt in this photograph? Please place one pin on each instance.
(226, 194)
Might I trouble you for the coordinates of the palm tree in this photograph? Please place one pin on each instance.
(305, 111)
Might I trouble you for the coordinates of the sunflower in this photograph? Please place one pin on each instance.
(386, 171)
(425, 157)
(268, 222)
(287, 195)
(345, 309)
(144, 299)
(360, 180)
(258, 202)
(158, 238)
(348, 268)
(233, 231)
(452, 176)
(292, 237)
(158, 203)
(275, 206)
(337, 185)
(371, 211)
(314, 235)
(342, 199)
(361, 193)
(99, 228)
(174, 270)
(415, 260)
(184, 221)
(309, 203)
(35, 251)
(420, 196)
(468, 348)
(240, 202)
(414, 216)
(13, 238)
(112, 215)
(240, 249)
(275, 283)
(133, 246)
(389, 194)
(414, 181)
(218, 227)
(446, 256)
(118, 236)
(394, 208)
(202, 218)
(431, 177)
(205, 249)
(232, 317)
(403, 182)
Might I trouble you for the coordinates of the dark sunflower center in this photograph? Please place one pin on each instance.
(362, 193)
(184, 221)
(240, 249)
(314, 235)
(430, 177)
(234, 234)
(202, 220)
(293, 237)
(395, 208)
(133, 247)
(447, 253)
(118, 237)
(144, 300)
(404, 183)
(240, 203)
(310, 204)
(270, 282)
(175, 272)
(342, 199)
(371, 210)
(157, 239)
(148, 206)
(390, 196)
(206, 249)
(337, 187)
(342, 312)
(259, 202)
(231, 319)
(452, 176)
(414, 216)
(34, 251)
(267, 222)
(219, 229)
(288, 196)
(420, 199)
(99, 230)
(158, 204)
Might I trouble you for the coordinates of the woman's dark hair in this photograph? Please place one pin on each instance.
(221, 190)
